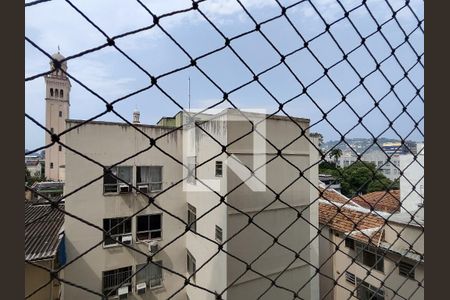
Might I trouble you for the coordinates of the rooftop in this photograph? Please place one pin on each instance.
(380, 201)
(43, 231)
(360, 225)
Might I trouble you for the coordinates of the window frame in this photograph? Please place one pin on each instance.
(362, 251)
(191, 265)
(217, 168)
(349, 243)
(149, 231)
(148, 280)
(192, 217)
(117, 183)
(118, 235)
(128, 271)
(149, 184)
(219, 230)
(376, 293)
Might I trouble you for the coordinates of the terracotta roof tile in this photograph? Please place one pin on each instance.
(380, 201)
(344, 221)
(332, 195)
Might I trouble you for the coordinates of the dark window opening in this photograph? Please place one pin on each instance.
(350, 243)
(117, 228)
(191, 268)
(219, 169)
(149, 227)
(192, 217)
(113, 185)
(219, 234)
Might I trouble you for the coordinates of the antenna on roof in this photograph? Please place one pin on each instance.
(189, 93)
(58, 49)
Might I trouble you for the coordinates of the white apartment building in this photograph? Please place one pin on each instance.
(412, 183)
(384, 268)
(240, 213)
(390, 169)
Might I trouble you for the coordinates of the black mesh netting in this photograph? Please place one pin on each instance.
(369, 54)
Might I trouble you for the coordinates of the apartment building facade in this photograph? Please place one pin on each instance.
(375, 260)
(390, 169)
(192, 217)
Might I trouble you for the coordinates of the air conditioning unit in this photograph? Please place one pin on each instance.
(124, 188)
(127, 239)
(143, 188)
(123, 292)
(141, 288)
(153, 247)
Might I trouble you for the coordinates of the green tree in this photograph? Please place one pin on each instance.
(363, 177)
(335, 154)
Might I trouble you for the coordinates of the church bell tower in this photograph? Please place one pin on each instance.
(57, 91)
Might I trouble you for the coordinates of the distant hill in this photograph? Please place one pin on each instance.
(357, 144)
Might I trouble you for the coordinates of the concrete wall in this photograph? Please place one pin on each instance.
(211, 265)
(108, 144)
(273, 216)
(36, 277)
(326, 254)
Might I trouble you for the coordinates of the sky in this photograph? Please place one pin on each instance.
(110, 74)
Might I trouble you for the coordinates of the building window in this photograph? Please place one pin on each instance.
(118, 228)
(219, 234)
(59, 147)
(60, 113)
(370, 256)
(191, 265)
(51, 92)
(52, 130)
(113, 185)
(380, 163)
(366, 291)
(346, 163)
(149, 177)
(192, 217)
(387, 171)
(149, 227)
(350, 243)
(406, 269)
(150, 274)
(115, 279)
(350, 277)
(192, 169)
(56, 93)
(219, 168)
(51, 165)
(61, 93)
